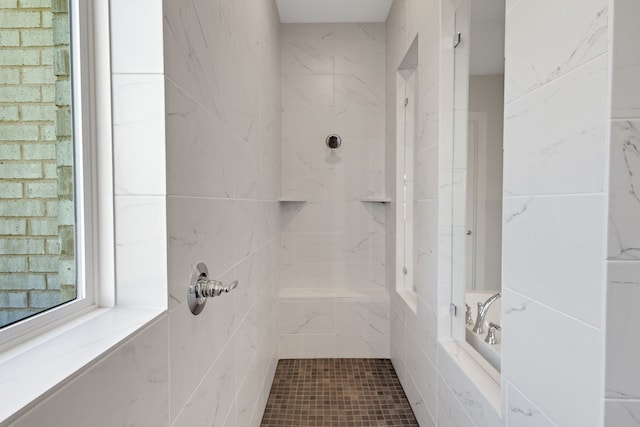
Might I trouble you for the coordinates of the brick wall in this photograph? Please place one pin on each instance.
(36, 158)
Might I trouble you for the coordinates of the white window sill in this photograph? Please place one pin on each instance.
(31, 370)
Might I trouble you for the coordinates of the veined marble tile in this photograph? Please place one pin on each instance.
(359, 90)
(450, 411)
(544, 155)
(359, 56)
(418, 404)
(307, 275)
(555, 273)
(359, 121)
(362, 346)
(304, 318)
(622, 346)
(307, 248)
(197, 140)
(359, 248)
(562, 377)
(187, 36)
(622, 413)
(359, 276)
(624, 201)
(625, 90)
(134, 388)
(566, 44)
(139, 150)
(307, 91)
(423, 329)
(214, 396)
(522, 413)
(363, 318)
(423, 373)
(305, 56)
(307, 346)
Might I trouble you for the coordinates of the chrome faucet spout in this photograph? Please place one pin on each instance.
(482, 313)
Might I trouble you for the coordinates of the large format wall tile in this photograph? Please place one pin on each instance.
(564, 45)
(558, 272)
(537, 339)
(625, 90)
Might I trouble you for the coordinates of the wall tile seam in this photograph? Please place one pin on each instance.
(211, 198)
(261, 104)
(452, 393)
(566, 74)
(602, 194)
(434, 363)
(510, 385)
(600, 329)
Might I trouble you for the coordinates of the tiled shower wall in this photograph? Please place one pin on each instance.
(333, 302)
(622, 382)
(222, 83)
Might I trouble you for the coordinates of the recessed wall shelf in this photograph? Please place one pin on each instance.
(376, 200)
(291, 200)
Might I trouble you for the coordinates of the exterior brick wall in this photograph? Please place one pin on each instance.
(37, 267)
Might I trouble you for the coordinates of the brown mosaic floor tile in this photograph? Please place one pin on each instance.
(337, 392)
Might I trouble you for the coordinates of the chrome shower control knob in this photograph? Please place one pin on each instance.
(201, 288)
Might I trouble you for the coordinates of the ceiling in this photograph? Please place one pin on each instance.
(311, 11)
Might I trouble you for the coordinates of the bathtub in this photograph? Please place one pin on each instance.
(492, 353)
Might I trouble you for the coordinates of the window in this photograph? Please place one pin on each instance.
(44, 167)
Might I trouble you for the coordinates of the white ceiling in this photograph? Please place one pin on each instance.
(333, 10)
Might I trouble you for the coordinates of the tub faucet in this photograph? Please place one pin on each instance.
(482, 313)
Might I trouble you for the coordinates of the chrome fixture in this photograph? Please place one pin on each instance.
(333, 141)
(201, 288)
(468, 317)
(482, 313)
(491, 334)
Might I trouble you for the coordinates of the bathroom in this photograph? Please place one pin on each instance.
(200, 116)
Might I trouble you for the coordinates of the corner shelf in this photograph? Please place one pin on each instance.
(291, 200)
(376, 200)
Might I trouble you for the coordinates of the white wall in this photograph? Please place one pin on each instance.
(333, 302)
(622, 382)
(222, 83)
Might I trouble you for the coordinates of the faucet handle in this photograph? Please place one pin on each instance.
(468, 317)
(491, 334)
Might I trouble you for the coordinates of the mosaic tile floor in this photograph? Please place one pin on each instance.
(337, 392)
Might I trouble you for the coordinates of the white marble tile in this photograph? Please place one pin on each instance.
(300, 346)
(307, 248)
(141, 243)
(359, 56)
(136, 44)
(306, 125)
(566, 44)
(418, 404)
(622, 413)
(473, 387)
(359, 248)
(307, 91)
(426, 242)
(198, 141)
(307, 317)
(426, 173)
(307, 276)
(521, 412)
(359, 90)
(450, 412)
(306, 53)
(362, 318)
(622, 346)
(563, 377)
(625, 90)
(572, 265)
(544, 155)
(362, 346)
(359, 276)
(360, 122)
(191, 44)
(248, 393)
(423, 329)
(423, 373)
(624, 202)
(194, 352)
(133, 388)
(138, 142)
(199, 230)
(214, 396)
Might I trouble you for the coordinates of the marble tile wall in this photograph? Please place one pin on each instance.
(555, 160)
(622, 393)
(333, 82)
(204, 88)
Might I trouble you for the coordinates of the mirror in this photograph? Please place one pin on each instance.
(477, 206)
